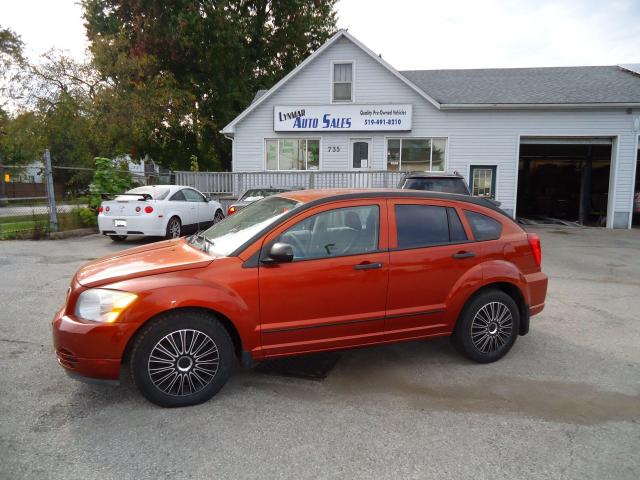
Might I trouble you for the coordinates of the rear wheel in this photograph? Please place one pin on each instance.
(174, 228)
(218, 216)
(182, 359)
(488, 327)
(118, 238)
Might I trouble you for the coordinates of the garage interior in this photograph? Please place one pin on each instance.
(564, 180)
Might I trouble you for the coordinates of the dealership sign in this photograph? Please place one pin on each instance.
(336, 118)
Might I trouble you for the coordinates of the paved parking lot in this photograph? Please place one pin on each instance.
(565, 402)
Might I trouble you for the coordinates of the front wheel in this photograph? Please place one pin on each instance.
(219, 216)
(488, 327)
(182, 359)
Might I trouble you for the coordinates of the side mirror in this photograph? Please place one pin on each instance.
(280, 253)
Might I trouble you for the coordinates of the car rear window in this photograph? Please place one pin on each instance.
(157, 193)
(445, 185)
(421, 225)
(483, 227)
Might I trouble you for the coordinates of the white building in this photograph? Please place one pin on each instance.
(546, 142)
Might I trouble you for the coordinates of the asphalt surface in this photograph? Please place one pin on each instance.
(564, 403)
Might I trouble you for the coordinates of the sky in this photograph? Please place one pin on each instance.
(414, 34)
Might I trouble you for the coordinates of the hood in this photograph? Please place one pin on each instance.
(161, 257)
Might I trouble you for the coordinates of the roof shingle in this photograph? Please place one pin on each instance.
(550, 85)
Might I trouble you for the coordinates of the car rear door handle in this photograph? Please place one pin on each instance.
(367, 266)
(460, 255)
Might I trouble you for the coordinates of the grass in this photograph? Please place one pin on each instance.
(36, 226)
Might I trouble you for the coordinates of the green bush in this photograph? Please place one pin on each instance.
(109, 178)
(87, 216)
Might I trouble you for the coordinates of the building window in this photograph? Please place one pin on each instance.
(293, 154)
(416, 154)
(342, 82)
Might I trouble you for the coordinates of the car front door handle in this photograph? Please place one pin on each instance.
(461, 255)
(367, 266)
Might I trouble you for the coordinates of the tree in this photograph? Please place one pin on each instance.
(189, 67)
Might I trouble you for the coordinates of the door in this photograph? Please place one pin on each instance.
(186, 210)
(333, 294)
(483, 181)
(360, 153)
(429, 254)
(204, 211)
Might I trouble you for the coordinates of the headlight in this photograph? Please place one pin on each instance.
(102, 305)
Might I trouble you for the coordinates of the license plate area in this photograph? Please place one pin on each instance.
(120, 223)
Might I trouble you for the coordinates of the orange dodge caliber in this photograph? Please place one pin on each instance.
(302, 272)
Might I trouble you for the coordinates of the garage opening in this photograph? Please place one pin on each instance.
(564, 180)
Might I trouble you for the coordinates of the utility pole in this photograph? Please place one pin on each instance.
(51, 196)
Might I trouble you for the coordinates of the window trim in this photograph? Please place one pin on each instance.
(493, 166)
(401, 138)
(353, 81)
(264, 153)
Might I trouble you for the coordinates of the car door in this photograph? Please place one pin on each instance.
(333, 294)
(178, 204)
(204, 211)
(430, 255)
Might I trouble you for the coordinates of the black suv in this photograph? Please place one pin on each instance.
(438, 182)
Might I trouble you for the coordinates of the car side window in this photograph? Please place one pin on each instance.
(178, 197)
(335, 233)
(483, 226)
(456, 230)
(421, 225)
(192, 195)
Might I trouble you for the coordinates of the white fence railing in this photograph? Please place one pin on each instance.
(235, 183)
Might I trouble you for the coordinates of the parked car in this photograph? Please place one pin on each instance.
(438, 182)
(302, 272)
(253, 195)
(161, 210)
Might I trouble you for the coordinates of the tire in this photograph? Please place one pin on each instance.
(219, 216)
(185, 378)
(118, 238)
(487, 327)
(174, 228)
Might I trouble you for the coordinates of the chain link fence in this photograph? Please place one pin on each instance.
(38, 199)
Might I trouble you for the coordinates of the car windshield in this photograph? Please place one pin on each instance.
(258, 193)
(157, 193)
(225, 236)
(446, 185)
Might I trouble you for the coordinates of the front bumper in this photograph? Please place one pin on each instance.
(90, 349)
(148, 225)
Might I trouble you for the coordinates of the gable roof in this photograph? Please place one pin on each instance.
(259, 98)
(604, 85)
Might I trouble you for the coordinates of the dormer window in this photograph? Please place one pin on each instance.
(343, 82)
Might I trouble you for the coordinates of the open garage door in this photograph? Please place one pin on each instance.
(564, 180)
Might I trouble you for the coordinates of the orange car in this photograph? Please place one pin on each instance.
(302, 272)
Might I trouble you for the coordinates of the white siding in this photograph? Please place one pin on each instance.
(475, 137)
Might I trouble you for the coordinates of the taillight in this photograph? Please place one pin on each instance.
(231, 210)
(534, 241)
(148, 209)
(100, 209)
(137, 209)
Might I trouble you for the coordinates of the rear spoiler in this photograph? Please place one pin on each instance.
(109, 196)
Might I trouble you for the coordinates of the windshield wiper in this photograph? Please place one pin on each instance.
(201, 241)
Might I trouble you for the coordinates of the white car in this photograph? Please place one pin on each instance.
(168, 211)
